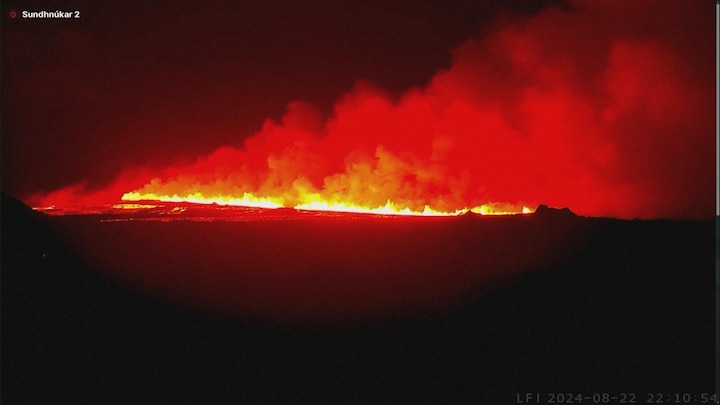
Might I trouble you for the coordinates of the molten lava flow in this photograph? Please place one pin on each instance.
(247, 199)
(314, 203)
(134, 206)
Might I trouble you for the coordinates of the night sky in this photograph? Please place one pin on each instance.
(605, 107)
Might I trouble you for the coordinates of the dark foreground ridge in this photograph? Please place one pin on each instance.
(547, 212)
(631, 312)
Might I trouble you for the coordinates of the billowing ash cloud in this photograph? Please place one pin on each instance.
(607, 108)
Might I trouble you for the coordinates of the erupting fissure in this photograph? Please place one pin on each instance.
(525, 114)
(314, 204)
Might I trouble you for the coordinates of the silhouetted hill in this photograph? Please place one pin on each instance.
(631, 311)
(545, 211)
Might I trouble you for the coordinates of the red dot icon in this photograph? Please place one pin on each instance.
(13, 14)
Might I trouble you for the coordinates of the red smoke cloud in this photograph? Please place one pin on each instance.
(606, 108)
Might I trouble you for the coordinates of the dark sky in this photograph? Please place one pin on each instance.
(81, 99)
(605, 107)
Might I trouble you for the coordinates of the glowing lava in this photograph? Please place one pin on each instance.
(313, 203)
(247, 199)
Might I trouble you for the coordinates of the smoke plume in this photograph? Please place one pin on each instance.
(603, 107)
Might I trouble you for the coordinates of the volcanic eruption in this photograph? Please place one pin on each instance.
(613, 120)
(292, 202)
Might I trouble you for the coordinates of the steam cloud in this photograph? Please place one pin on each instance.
(606, 108)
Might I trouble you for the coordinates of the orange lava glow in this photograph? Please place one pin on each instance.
(312, 202)
(247, 199)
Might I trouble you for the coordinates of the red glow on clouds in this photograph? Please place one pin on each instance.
(574, 108)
